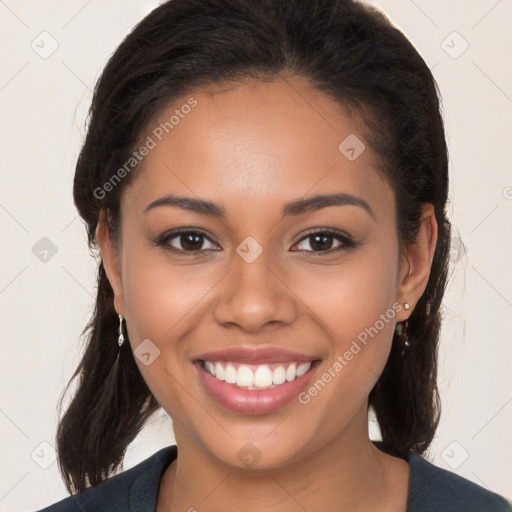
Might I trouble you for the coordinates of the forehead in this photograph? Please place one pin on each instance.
(257, 144)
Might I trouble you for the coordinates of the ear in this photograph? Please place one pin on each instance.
(416, 261)
(111, 262)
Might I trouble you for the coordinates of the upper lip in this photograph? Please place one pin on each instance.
(254, 355)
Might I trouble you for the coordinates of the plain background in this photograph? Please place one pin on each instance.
(44, 305)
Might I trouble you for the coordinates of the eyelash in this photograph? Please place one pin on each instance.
(347, 242)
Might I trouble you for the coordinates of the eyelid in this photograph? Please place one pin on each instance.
(344, 238)
(164, 239)
(332, 231)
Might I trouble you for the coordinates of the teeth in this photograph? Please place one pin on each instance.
(219, 371)
(279, 375)
(291, 372)
(244, 376)
(230, 374)
(256, 377)
(303, 368)
(262, 377)
(210, 368)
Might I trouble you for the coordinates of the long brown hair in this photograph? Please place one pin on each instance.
(347, 50)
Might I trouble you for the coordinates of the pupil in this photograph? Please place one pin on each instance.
(191, 245)
(322, 245)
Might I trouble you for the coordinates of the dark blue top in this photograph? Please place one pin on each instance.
(431, 489)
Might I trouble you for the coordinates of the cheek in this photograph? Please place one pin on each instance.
(351, 300)
(163, 304)
(161, 298)
(355, 303)
(351, 296)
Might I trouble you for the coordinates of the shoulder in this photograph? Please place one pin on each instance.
(434, 488)
(133, 489)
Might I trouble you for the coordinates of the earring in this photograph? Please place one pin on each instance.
(120, 340)
(401, 330)
(406, 339)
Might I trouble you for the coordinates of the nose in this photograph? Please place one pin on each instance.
(254, 295)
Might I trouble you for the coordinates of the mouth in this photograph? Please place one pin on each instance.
(255, 388)
(256, 377)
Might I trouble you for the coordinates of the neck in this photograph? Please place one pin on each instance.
(348, 473)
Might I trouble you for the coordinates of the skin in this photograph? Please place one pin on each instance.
(252, 148)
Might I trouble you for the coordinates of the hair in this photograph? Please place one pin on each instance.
(352, 53)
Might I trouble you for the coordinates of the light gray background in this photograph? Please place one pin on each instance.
(45, 305)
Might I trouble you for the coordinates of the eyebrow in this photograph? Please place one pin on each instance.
(293, 208)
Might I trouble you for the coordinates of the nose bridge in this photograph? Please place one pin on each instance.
(254, 293)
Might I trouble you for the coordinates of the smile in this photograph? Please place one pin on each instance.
(256, 377)
(254, 389)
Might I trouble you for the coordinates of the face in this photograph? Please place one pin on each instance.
(323, 280)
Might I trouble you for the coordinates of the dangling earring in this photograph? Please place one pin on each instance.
(406, 340)
(401, 330)
(120, 340)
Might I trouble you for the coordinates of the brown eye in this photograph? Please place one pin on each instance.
(322, 241)
(185, 241)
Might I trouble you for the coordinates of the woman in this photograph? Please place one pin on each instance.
(266, 182)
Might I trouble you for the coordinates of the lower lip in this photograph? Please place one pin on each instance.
(254, 401)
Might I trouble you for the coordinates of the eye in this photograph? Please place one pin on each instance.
(191, 241)
(321, 241)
